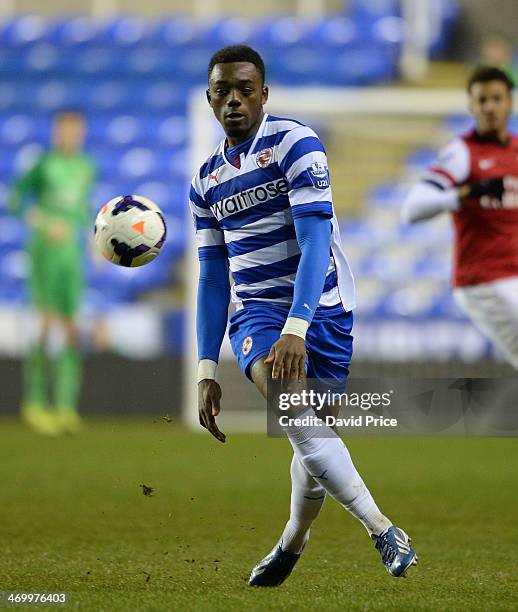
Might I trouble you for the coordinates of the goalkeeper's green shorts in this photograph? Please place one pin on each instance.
(56, 279)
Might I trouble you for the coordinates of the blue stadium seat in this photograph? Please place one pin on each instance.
(23, 30)
(151, 61)
(13, 234)
(281, 32)
(362, 231)
(13, 295)
(13, 163)
(12, 62)
(333, 32)
(177, 31)
(73, 31)
(409, 302)
(9, 96)
(388, 195)
(364, 12)
(112, 95)
(360, 65)
(99, 61)
(123, 31)
(4, 193)
(459, 124)
(390, 31)
(226, 31)
(433, 267)
(48, 96)
(102, 193)
(372, 295)
(177, 238)
(164, 96)
(139, 162)
(44, 60)
(14, 269)
(418, 233)
(124, 131)
(170, 195)
(302, 66)
(445, 306)
(171, 131)
(20, 129)
(420, 159)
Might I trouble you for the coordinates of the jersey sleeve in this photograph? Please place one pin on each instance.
(210, 239)
(451, 168)
(27, 184)
(303, 161)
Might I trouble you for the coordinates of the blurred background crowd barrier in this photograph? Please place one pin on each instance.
(139, 75)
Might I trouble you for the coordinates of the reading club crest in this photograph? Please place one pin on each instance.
(247, 345)
(264, 158)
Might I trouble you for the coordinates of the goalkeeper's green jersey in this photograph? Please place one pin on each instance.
(60, 185)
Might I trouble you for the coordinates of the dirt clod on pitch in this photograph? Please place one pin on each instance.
(147, 491)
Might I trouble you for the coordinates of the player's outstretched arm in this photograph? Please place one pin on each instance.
(439, 190)
(426, 201)
(211, 324)
(288, 354)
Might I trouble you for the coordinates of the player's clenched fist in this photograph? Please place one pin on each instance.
(288, 356)
(209, 397)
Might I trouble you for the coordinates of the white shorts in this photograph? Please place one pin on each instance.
(493, 307)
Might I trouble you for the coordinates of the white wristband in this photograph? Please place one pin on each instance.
(296, 327)
(207, 370)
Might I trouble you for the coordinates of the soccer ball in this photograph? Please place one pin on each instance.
(130, 230)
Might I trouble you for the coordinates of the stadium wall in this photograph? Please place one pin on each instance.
(477, 21)
(163, 7)
(118, 386)
(113, 385)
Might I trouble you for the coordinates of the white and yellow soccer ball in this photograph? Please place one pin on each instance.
(130, 230)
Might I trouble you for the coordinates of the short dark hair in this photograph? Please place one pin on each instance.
(238, 53)
(484, 74)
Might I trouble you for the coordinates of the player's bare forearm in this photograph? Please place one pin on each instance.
(209, 406)
(288, 356)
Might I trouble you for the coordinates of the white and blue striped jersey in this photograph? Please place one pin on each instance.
(246, 213)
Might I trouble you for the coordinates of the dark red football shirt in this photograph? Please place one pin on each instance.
(486, 229)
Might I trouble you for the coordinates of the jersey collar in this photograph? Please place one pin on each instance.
(250, 150)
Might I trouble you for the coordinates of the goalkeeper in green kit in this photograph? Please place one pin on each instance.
(53, 197)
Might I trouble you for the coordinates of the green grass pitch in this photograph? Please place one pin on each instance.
(74, 518)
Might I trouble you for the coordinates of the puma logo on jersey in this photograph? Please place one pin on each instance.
(214, 177)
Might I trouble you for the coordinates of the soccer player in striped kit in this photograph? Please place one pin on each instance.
(475, 178)
(262, 208)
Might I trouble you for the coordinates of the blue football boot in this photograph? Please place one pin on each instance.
(394, 547)
(274, 568)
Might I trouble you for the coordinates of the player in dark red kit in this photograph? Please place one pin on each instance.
(475, 178)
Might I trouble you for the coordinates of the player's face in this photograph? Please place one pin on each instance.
(69, 133)
(491, 105)
(237, 94)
